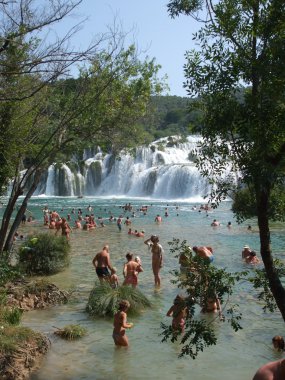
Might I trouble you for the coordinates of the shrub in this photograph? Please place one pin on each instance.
(44, 254)
(103, 299)
(7, 271)
(71, 332)
(10, 316)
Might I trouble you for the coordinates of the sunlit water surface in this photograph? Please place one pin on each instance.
(236, 356)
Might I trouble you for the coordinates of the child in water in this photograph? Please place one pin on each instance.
(121, 324)
(114, 280)
(178, 312)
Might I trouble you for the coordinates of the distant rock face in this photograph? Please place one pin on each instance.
(164, 169)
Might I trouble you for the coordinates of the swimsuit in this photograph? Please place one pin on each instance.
(102, 272)
(131, 279)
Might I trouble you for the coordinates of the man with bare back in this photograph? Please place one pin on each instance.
(101, 262)
(271, 371)
(157, 251)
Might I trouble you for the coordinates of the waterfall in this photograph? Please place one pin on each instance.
(164, 169)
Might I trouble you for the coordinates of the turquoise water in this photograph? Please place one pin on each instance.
(236, 356)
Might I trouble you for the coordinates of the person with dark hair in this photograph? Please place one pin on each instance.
(157, 253)
(121, 324)
(252, 258)
(278, 343)
(178, 312)
(131, 270)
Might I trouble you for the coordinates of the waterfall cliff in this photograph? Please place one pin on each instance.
(164, 169)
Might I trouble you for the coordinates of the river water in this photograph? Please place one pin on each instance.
(236, 355)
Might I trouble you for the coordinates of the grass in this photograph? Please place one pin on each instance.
(103, 300)
(71, 332)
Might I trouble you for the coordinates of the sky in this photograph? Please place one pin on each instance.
(149, 26)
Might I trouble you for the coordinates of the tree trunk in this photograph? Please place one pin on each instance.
(17, 191)
(275, 284)
(20, 213)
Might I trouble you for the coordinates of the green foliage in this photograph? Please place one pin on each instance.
(245, 204)
(260, 282)
(7, 271)
(71, 332)
(243, 126)
(10, 316)
(44, 254)
(201, 281)
(103, 300)
(13, 337)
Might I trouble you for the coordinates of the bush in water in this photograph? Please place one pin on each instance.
(104, 300)
(44, 254)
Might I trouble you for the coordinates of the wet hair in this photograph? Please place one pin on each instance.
(129, 256)
(195, 248)
(124, 305)
(279, 340)
(252, 253)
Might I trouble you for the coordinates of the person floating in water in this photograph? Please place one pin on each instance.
(121, 324)
(157, 257)
(178, 312)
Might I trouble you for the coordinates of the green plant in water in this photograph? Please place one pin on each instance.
(103, 300)
(44, 254)
(71, 332)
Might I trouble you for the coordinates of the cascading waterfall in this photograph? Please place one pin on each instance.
(164, 169)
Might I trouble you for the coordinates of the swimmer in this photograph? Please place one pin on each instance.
(245, 252)
(121, 324)
(158, 219)
(252, 258)
(204, 253)
(215, 223)
(278, 343)
(114, 280)
(178, 312)
(212, 305)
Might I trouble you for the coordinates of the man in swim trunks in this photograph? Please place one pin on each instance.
(101, 263)
(157, 251)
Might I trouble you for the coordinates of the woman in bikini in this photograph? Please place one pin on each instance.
(157, 260)
(120, 325)
(65, 228)
(131, 271)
